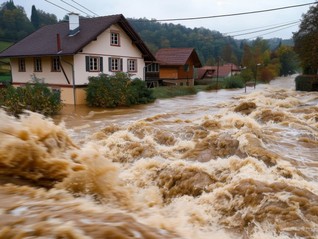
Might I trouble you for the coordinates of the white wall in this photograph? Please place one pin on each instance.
(102, 48)
(47, 74)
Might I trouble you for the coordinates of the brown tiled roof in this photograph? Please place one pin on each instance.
(221, 71)
(44, 41)
(205, 70)
(177, 56)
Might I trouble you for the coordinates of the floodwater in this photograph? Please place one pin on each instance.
(225, 164)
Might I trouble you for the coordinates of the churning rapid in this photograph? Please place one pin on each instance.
(242, 166)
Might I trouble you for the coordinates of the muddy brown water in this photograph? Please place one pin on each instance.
(219, 164)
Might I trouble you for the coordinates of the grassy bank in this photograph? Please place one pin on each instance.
(174, 91)
(5, 78)
(5, 75)
(4, 45)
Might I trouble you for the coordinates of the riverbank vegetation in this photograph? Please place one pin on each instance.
(109, 91)
(233, 82)
(306, 39)
(35, 96)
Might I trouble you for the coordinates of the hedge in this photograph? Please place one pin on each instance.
(307, 83)
(35, 96)
(109, 91)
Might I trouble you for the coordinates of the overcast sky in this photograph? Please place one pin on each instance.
(168, 9)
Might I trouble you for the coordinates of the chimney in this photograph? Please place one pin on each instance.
(58, 43)
(73, 23)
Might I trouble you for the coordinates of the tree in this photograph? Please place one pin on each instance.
(209, 44)
(40, 18)
(227, 53)
(46, 18)
(306, 41)
(14, 23)
(35, 20)
(288, 60)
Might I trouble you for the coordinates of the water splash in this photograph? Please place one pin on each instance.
(242, 167)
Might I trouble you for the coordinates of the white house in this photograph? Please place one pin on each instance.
(66, 54)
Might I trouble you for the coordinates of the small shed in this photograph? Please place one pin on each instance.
(177, 65)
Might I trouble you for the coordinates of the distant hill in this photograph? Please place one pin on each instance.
(4, 45)
(209, 44)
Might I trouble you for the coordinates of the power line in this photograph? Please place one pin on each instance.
(70, 6)
(270, 32)
(293, 24)
(255, 28)
(58, 6)
(75, 7)
(85, 8)
(234, 14)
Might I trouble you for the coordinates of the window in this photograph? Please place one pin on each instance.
(22, 65)
(114, 39)
(56, 64)
(94, 63)
(132, 65)
(37, 64)
(153, 67)
(115, 64)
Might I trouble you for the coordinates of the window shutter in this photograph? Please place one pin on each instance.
(121, 64)
(87, 62)
(109, 64)
(101, 64)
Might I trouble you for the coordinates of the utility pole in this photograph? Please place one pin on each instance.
(217, 74)
(257, 65)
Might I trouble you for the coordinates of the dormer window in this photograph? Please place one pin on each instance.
(114, 39)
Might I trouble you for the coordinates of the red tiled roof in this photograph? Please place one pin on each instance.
(177, 56)
(44, 41)
(203, 71)
(223, 71)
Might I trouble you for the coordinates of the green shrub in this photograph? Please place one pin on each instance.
(233, 82)
(306, 82)
(173, 91)
(214, 86)
(36, 97)
(5, 78)
(208, 81)
(118, 90)
(138, 93)
(247, 75)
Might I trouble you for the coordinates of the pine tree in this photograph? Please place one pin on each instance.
(35, 18)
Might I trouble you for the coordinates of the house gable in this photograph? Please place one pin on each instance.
(44, 41)
(177, 63)
(88, 52)
(221, 71)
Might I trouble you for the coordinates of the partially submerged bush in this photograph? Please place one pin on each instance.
(173, 91)
(118, 90)
(307, 83)
(233, 82)
(35, 96)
